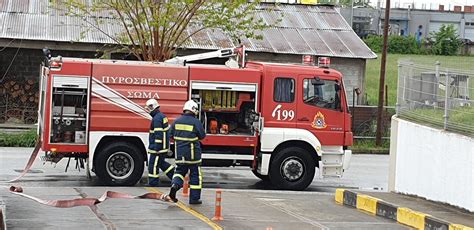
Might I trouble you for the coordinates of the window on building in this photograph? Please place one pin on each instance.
(284, 90)
(322, 93)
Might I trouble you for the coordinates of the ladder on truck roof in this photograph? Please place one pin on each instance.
(222, 53)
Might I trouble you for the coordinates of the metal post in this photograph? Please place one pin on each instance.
(435, 86)
(378, 136)
(446, 103)
(397, 106)
(353, 107)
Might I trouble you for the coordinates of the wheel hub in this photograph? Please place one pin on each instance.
(120, 165)
(292, 169)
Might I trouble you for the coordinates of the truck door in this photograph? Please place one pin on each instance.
(279, 100)
(319, 108)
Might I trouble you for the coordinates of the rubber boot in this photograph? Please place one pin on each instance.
(195, 201)
(174, 189)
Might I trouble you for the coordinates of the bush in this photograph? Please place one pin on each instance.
(396, 44)
(25, 139)
(375, 43)
(446, 41)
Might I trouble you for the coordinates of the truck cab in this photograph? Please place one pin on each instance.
(306, 124)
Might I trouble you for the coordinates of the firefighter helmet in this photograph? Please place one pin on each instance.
(152, 104)
(191, 106)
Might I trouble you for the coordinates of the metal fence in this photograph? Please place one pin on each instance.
(436, 96)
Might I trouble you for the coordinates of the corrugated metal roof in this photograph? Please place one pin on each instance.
(303, 29)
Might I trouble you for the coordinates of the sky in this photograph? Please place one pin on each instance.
(425, 4)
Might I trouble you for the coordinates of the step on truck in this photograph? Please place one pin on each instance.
(283, 121)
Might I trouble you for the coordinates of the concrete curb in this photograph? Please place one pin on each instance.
(3, 224)
(402, 215)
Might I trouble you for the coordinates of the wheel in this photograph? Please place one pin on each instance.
(260, 176)
(292, 169)
(119, 164)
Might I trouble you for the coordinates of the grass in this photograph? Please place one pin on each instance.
(461, 119)
(368, 146)
(24, 139)
(373, 72)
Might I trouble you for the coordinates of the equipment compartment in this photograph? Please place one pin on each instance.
(69, 110)
(225, 112)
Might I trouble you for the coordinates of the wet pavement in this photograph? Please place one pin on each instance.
(248, 203)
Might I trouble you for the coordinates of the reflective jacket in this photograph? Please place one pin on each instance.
(187, 130)
(159, 133)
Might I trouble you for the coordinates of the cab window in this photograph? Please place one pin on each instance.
(284, 90)
(321, 93)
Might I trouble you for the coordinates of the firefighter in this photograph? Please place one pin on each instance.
(158, 144)
(186, 131)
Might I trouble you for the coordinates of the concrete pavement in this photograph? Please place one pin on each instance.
(248, 203)
(242, 209)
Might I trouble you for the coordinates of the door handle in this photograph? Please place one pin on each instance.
(303, 119)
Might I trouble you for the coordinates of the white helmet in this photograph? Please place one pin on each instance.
(191, 106)
(152, 104)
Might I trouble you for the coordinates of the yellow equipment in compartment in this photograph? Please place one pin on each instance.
(218, 99)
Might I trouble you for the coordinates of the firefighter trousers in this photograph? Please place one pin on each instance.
(155, 163)
(195, 179)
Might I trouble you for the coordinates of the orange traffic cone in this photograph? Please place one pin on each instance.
(186, 187)
(218, 212)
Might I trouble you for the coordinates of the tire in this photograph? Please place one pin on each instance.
(292, 168)
(260, 176)
(119, 164)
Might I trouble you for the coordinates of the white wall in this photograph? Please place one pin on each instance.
(432, 163)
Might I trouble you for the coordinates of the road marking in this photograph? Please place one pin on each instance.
(286, 210)
(191, 211)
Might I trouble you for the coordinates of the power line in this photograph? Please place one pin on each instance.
(8, 45)
(13, 60)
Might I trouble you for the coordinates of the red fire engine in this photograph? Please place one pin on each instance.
(283, 121)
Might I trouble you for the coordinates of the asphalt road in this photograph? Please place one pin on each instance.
(248, 203)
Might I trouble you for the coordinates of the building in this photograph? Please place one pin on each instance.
(28, 26)
(406, 21)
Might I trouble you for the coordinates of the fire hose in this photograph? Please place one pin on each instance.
(89, 201)
(32, 159)
(81, 201)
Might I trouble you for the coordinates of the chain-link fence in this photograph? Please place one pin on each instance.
(436, 96)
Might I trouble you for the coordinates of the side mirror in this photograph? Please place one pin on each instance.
(47, 53)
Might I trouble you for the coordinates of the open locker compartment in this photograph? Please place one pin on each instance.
(69, 106)
(227, 109)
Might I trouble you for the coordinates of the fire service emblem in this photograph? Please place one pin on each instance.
(318, 122)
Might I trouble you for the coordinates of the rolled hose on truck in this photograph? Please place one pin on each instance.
(80, 201)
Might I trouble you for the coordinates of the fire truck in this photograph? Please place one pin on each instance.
(282, 121)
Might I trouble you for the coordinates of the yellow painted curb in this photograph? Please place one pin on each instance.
(367, 203)
(411, 218)
(459, 227)
(340, 195)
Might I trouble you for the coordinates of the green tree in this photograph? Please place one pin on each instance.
(446, 41)
(154, 29)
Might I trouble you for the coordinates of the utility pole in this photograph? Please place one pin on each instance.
(378, 136)
(352, 13)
